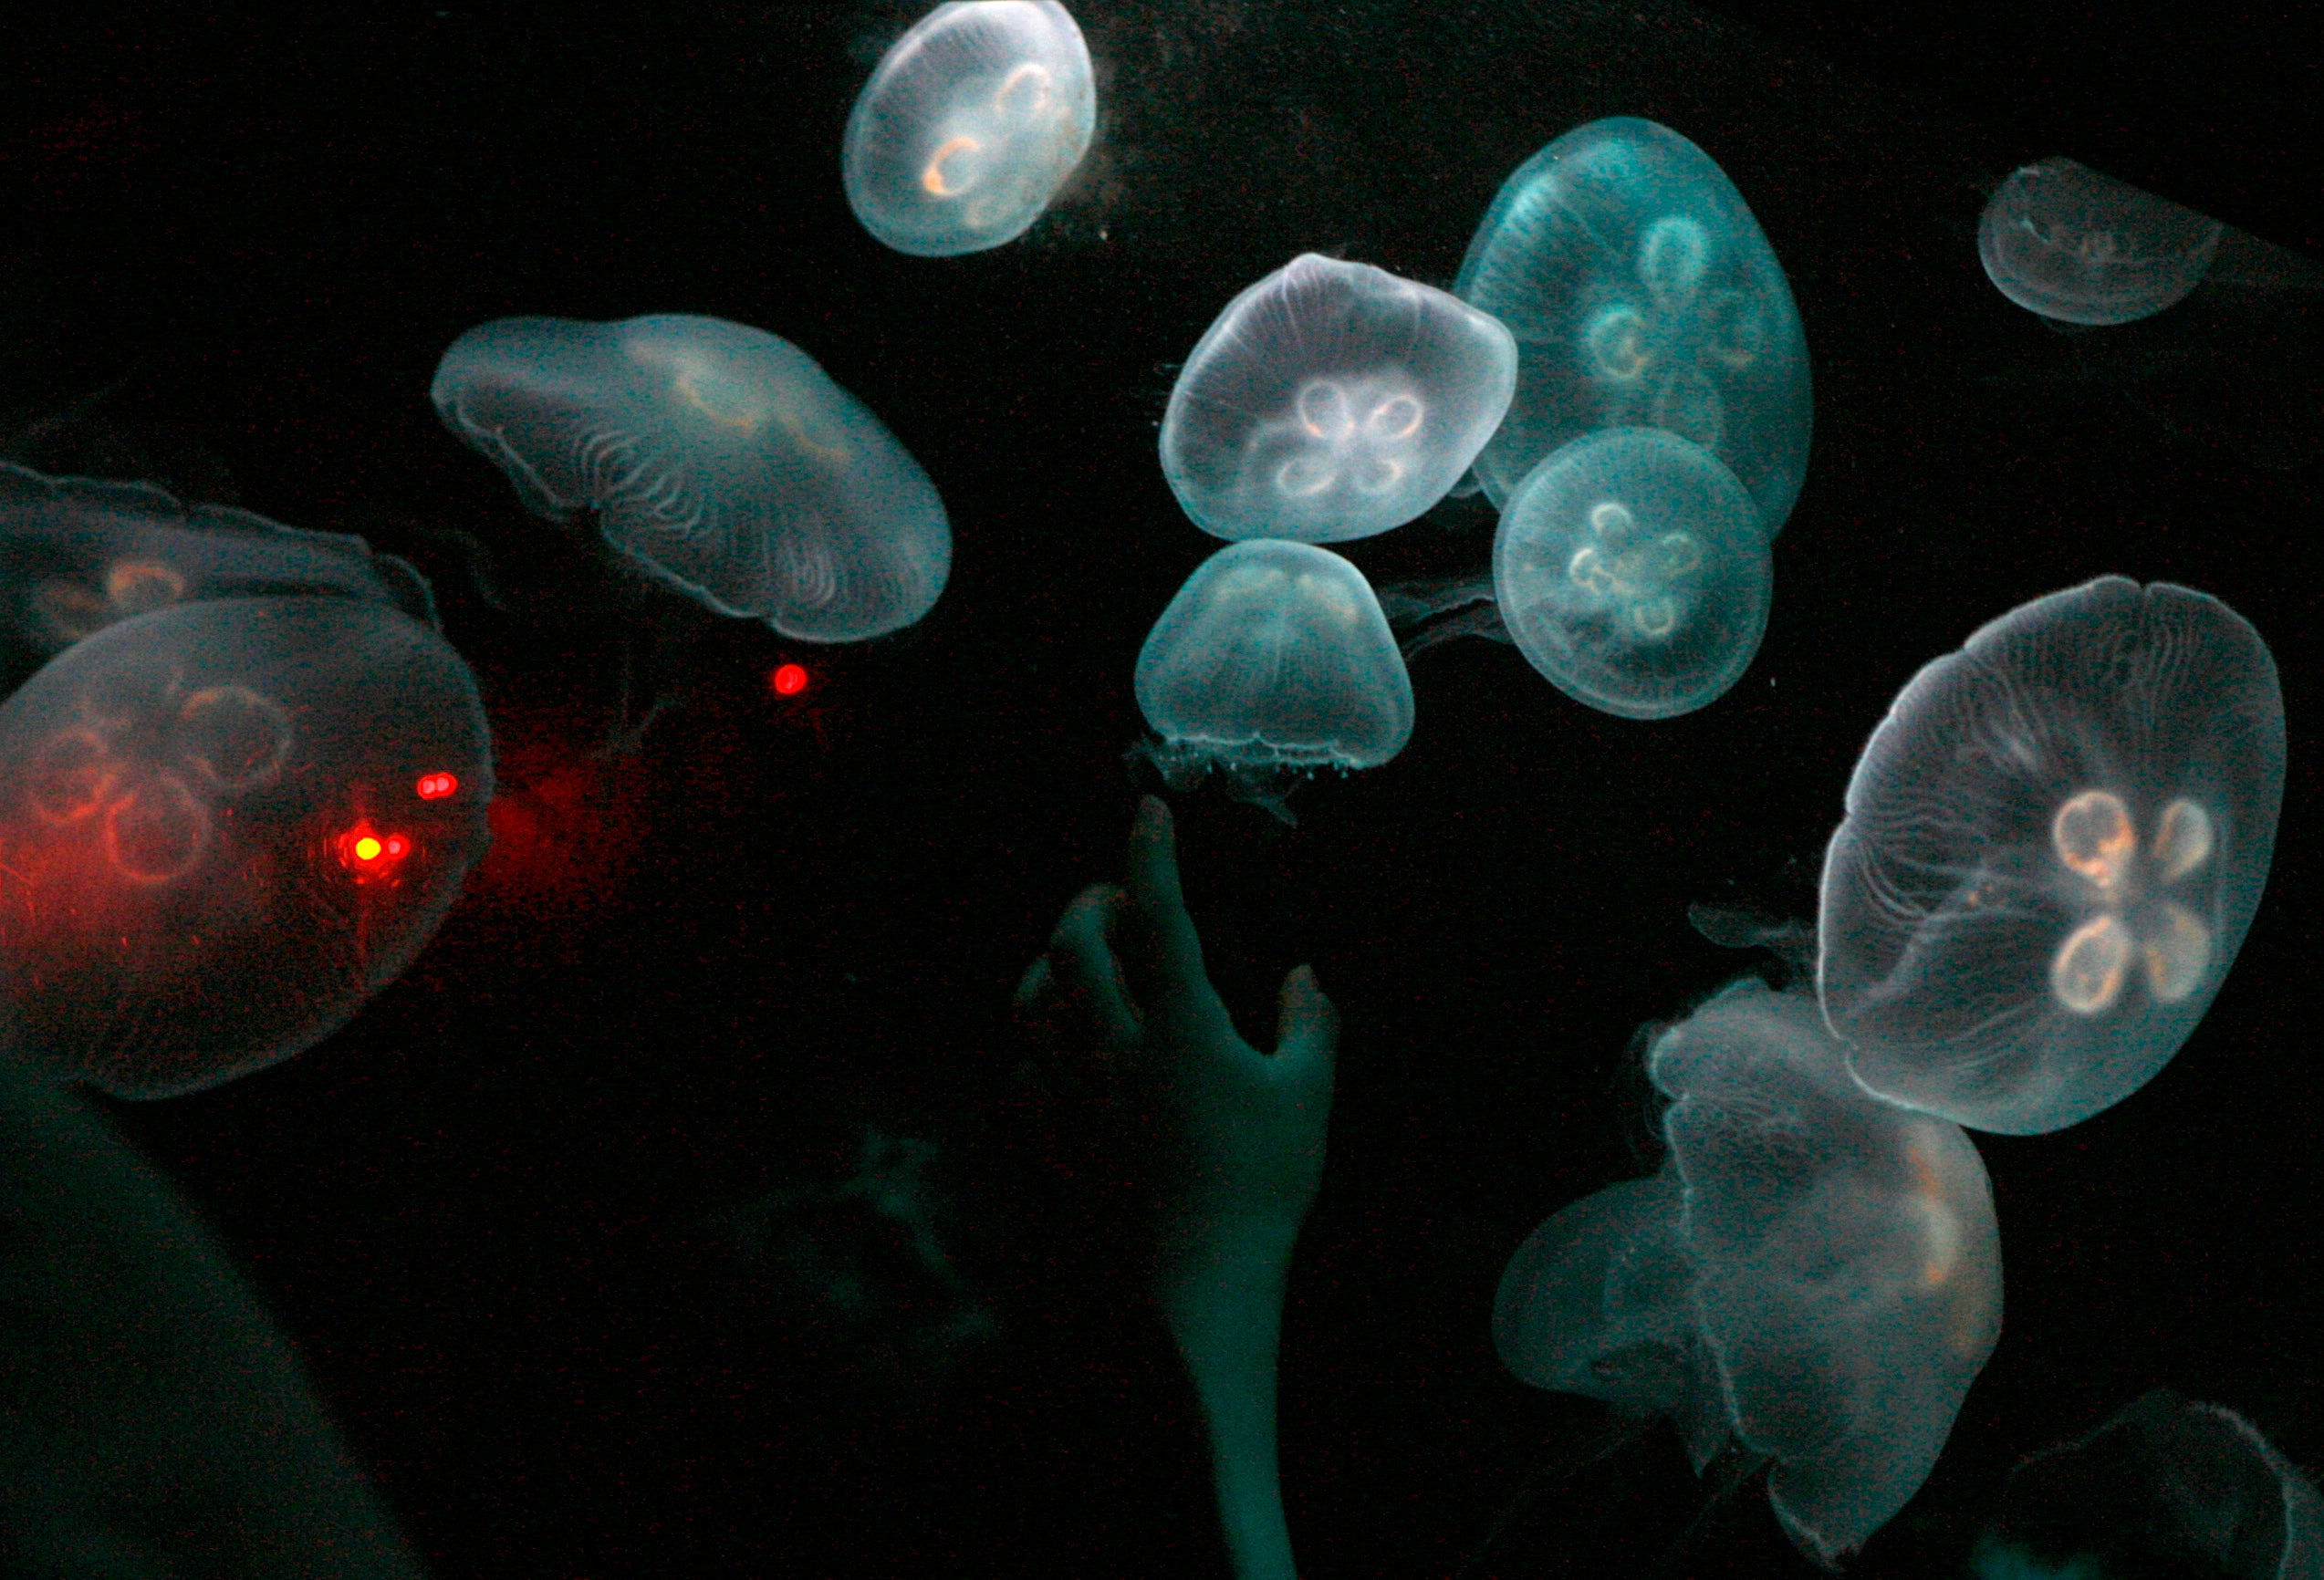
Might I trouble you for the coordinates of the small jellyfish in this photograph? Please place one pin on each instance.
(2061, 240)
(2054, 846)
(78, 554)
(971, 124)
(223, 826)
(1332, 400)
(1814, 1274)
(1630, 570)
(1642, 294)
(718, 459)
(1272, 660)
(2169, 1486)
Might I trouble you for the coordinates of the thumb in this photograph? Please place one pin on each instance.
(1306, 1023)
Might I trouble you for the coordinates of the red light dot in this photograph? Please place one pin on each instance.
(396, 846)
(436, 787)
(788, 680)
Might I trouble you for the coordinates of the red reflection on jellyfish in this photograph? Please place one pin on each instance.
(367, 854)
(788, 680)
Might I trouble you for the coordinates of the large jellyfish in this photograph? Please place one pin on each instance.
(969, 125)
(717, 459)
(1630, 570)
(2055, 843)
(78, 554)
(2169, 1486)
(1332, 400)
(1642, 293)
(1815, 1274)
(1272, 660)
(158, 1422)
(2062, 240)
(225, 825)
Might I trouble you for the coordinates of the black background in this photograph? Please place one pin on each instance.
(500, 1211)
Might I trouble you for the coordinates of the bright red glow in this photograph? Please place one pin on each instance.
(369, 853)
(788, 680)
(436, 787)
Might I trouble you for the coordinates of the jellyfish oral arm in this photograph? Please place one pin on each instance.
(1239, 1136)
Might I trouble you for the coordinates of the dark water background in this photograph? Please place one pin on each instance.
(562, 1220)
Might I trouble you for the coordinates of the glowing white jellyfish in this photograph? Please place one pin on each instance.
(2062, 240)
(969, 125)
(2055, 843)
(1332, 400)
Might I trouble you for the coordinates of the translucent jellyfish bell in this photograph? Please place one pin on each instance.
(2054, 846)
(2062, 240)
(2169, 1486)
(1272, 660)
(971, 124)
(1642, 293)
(1630, 570)
(1815, 1274)
(78, 554)
(224, 826)
(1332, 400)
(718, 460)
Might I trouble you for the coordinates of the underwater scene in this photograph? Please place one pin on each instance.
(1159, 787)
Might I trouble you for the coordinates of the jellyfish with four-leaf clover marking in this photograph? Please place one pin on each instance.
(1272, 662)
(1332, 400)
(2055, 843)
(223, 826)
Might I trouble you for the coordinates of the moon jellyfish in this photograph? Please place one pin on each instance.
(1642, 294)
(223, 828)
(1814, 1274)
(2055, 843)
(2061, 240)
(1630, 570)
(1272, 660)
(718, 460)
(158, 1422)
(971, 124)
(1332, 400)
(78, 554)
(2169, 1486)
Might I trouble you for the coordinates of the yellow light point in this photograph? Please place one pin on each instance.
(367, 848)
(932, 178)
(2093, 835)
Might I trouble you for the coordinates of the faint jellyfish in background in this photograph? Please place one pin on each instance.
(1273, 661)
(1630, 570)
(718, 460)
(78, 554)
(2054, 846)
(1332, 400)
(1641, 294)
(1815, 1275)
(969, 125)
(2169, 1486)
(225, 825)
(2062, 240)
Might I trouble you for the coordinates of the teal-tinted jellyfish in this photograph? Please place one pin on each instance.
(1332, 400)
(2169, 1486)
(969, 125)
(1642, 293)
(223, 826)
(1815, 1274)
(158, 1422)
(2054, 846)
(2062, 240)
(1272, 662)
(1630, 570)
(718, 460)
(78, 554)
